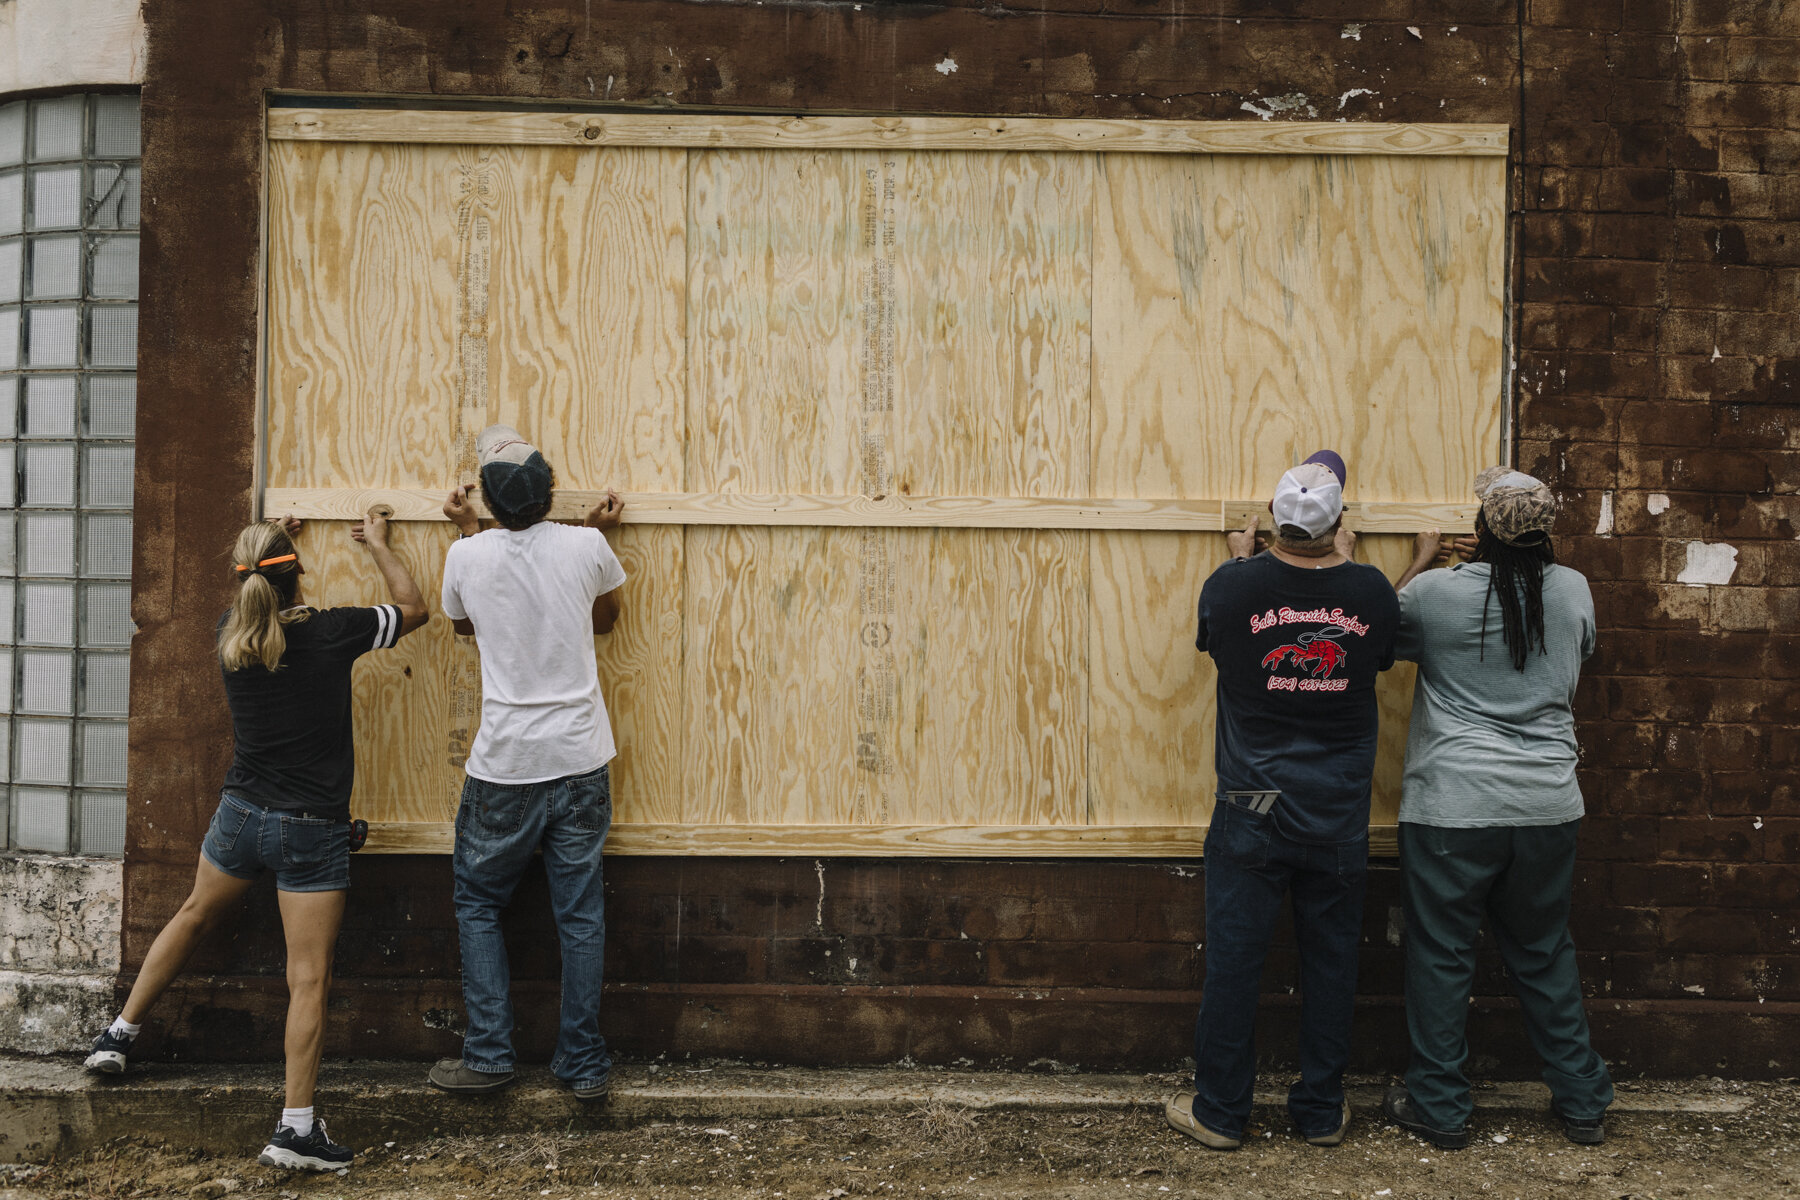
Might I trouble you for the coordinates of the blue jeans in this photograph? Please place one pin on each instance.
(1250, 869)
(498, 828)
(307, 854)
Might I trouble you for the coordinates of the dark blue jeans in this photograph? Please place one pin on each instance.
(498, 828)
(1250, 870)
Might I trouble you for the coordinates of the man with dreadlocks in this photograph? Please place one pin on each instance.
(1490, 807)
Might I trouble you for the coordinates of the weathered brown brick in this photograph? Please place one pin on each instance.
(1784, 747)
(1756, 609)
(1740, 105)
(1660, 698)
(1634, 190)
(1632, 235)
(1566, 326)
(1625, 652)
(1576, 14)
(1605, 744)
(1664, 791)
(1653, 885)
(1769, 150)
(1615, 927)
(1623, 838)
(1708, 839)
(1756, 426)
(1750, 792)
(1636, 328)
(1735, 746)
(1756, 516)
(1719, 286)
(1710, 931)
(1703, 470)
(1666, 422)
(1764, 60)
(1737, 194)
(1553, 416)
(1752, 18)
(1755, 885)
(1731, 380)
(1637, 605)
(1559, 187)
(1717, 655)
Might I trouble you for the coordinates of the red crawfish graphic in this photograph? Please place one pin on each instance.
(1319, 651)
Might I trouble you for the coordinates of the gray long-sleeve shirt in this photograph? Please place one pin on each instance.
(1488, 744)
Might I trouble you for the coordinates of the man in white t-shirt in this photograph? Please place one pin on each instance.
(533, 594)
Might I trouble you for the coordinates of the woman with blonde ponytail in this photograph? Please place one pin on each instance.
(285, 806)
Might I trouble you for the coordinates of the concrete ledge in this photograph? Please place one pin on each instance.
(50, 1107)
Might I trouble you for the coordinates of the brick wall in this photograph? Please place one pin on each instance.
(1659, 369)
(1657, 198)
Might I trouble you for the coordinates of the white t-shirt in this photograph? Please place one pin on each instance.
(531, 596)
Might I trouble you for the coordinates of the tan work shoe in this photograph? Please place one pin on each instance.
(1180, 1113)
(451, 1075)
(1336, 1135)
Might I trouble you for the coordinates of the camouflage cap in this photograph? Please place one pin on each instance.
(1488, 478)
(1519, 509)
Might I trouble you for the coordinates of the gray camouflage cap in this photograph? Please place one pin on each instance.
(1488, 478)
(1519, 509)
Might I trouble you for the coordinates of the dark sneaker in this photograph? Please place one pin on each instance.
(110, 1052)
(1586, 1132)
(1336, 1135)
(314, 1152)
(452, 1076)
(593, 1090)
(1179, 1112)
(1397, 1106)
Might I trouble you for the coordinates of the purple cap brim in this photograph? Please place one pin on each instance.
(1330, 460)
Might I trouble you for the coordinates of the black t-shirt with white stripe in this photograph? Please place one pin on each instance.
(292, 725)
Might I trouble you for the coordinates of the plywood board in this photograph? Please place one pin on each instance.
(899, 512)
(606, 131)
(1251, 311)
(928, 430)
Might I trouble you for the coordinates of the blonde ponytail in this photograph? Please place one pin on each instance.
(252, 633)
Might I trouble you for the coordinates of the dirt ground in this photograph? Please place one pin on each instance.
(956, 1152)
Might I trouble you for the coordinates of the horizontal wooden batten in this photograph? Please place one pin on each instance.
(867, 841)
(773, 132)
(928, 512)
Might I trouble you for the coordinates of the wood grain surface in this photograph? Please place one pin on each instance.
(928, 430)
(869, 841)
(927, 512)
(701, 131)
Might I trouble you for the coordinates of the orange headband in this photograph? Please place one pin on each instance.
(267, 562)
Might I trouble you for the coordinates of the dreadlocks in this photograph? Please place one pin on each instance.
(1516, 579)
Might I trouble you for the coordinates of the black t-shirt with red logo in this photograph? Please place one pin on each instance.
(1297, 650)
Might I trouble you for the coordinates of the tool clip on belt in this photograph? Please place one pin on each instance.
(1256, 802)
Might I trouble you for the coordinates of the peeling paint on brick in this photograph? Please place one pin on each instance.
(1708, 563)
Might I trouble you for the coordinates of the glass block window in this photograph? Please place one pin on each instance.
(69, 192)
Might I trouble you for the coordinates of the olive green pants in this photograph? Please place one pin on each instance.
(1519, 878)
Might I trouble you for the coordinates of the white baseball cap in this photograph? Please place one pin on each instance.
(1310, 498)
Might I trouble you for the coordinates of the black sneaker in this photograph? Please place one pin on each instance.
(1585, 1132)
(1397, 1106)
(110, 1052)
(314, 1152)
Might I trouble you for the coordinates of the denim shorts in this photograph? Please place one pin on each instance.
(307, 854)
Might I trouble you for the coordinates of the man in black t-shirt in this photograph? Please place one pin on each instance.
(1298, 635)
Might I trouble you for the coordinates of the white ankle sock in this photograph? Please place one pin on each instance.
(300, 1120)
(122, 1026)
